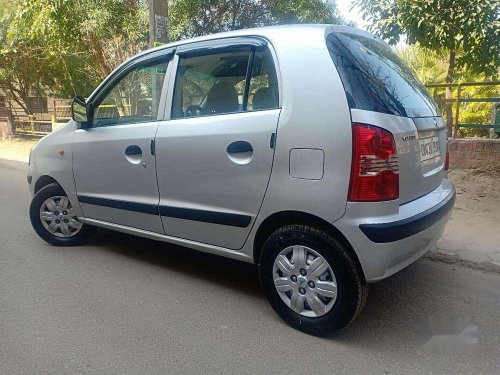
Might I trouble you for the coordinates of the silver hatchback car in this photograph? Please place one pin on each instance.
(311, 151)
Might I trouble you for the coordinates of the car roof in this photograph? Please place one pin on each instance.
(274, 33)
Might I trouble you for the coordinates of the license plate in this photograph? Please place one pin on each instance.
(429, 148)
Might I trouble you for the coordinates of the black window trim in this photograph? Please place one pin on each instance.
(248, 78)
(219, 46)
(155, 57)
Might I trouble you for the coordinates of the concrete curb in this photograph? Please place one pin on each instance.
(436, 255)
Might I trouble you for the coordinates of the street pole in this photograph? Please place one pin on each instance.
(158, 22)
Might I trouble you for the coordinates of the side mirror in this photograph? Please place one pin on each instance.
(79, 111)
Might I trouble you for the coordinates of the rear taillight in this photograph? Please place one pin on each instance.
(447, 160)
(374, 171)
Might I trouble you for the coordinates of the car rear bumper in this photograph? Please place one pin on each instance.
(386, 242)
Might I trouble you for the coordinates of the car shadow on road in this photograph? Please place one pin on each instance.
(212, 268)
(390, 308)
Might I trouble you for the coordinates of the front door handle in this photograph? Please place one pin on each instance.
(239, 147)
(133, 150)
(133, 154)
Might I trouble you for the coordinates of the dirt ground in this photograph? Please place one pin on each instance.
(473, 233)
(16, 148)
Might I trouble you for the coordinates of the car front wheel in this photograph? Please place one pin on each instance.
(54, 218)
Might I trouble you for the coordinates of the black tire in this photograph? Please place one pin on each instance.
(44, 193)
(352, 288)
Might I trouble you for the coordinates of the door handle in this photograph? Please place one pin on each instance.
(239, 147)
(152, 147)
(133, 150)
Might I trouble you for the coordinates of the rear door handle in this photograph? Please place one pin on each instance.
(133, 150)
(152, 147)
(239, 147)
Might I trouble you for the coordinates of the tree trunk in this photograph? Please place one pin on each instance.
(16, 91)
(448, 93)
(99, 53)
(6, 127)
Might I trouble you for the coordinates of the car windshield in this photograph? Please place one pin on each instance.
(376, 79)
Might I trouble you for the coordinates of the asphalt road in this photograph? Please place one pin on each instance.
(128, 305)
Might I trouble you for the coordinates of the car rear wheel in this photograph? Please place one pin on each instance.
(311, 280)
(54, 218)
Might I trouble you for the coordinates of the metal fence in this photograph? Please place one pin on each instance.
(31, 126)
(42, 123)
(62, 110)
(460, 99)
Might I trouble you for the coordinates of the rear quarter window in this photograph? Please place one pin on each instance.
(376, 79)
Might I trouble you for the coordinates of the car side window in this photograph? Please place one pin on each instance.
(263, 92)
(216, 83)
(134, 98)
(210, 84)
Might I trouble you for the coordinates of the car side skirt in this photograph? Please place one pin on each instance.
(211, 249)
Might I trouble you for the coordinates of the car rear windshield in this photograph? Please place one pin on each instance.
(375, 78)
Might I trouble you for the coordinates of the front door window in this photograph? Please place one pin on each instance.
(135, 98)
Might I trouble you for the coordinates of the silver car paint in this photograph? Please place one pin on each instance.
(45, 160)
(102, 170)
(313, 118)
(380, 260)
(314, 115)
(195, 171)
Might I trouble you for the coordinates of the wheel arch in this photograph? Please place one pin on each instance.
(44, 181)
(283, 218)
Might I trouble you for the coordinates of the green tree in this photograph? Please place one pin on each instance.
(102, 33)
(25, 67)
(431, 67)
(66, 47)
(6, 7)
(189, 18)
(468, 31)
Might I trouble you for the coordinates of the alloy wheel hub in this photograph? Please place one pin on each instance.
(302, 282)
(59, 218)
(305, 281)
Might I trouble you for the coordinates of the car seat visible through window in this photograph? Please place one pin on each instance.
(265, 98)
(222, 98)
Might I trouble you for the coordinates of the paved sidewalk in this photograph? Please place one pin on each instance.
(472, 236)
